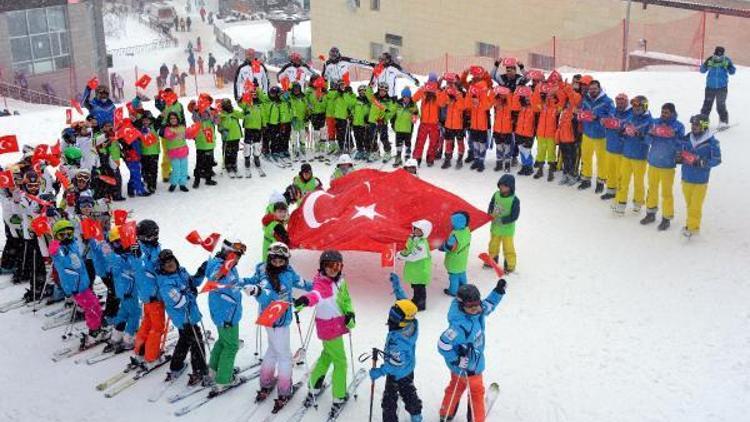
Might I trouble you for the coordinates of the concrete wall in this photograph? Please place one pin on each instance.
(84, 56)
(431, 28)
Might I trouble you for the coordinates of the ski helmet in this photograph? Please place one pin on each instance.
(61, 225)
(114, 234)
(331, 256)
(424, 226)
(701, 120)
(83, 175)
(383, 85)
(167, 255)
(402, 313)
(640, 101)
(279, 250)
(386, 57)
(233, 246)
(147, 231)
(85, 201)
(361, 89)
(275, 91)
(334, 53)
(468, 295)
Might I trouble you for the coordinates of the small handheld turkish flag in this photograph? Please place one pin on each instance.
(68, 116)
(63, 179)
(8, 143)
(108, 180)
(76, 105)
(118, 117)
(208, 132)
(91, 229)
(120, 216)
(387, 256)
(143, 81)
(6, 179)
(40, 225)
(229, 262)
(192, 131)
(149, 139)
(284, 83)
(127, 234)
(346, 79)
(194, 238)
(210, 242)
(93, 83)
(272, 313)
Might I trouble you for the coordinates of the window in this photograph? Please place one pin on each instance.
(39, 40)
(376, 49)
(487, 50)
(394, 39)
(541, 61)
(374, 4)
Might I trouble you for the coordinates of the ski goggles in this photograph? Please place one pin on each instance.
(64, 235)
(472, 307)
(149, 239)
(239, 248)
(277, 261)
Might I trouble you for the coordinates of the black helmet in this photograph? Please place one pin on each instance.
(701, 120)
(468, 294)
(165, 256)
(147, 231)
(334, 53)
(275, 90)
(329, 256)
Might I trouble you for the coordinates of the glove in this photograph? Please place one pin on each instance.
(301, 302)
(376, 373)
(394, 279)
(135, 249)
(251, 290)
(463, 362)
(520, 66)
(708, 60)
(349, 319)
(462, 350)
(500, 286)
(497, 63)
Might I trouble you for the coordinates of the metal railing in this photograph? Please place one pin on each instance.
(30, 96)
(167, 40)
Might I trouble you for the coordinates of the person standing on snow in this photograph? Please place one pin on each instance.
(613, 133)
(274, 280)
(462, 348)
(418, 261)
(698, 154)
(334, 318)
(663, 139)
(296, 71)
(399, 358)
(505, 208)
(337, 66)
(251, 71)
(388, 71)
(635, 152)
(596, 105)
(456, 248)
(100, 106)
(718, 67)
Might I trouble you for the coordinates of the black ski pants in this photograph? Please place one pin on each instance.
(720, 94)
(404, 387)
(190, 340)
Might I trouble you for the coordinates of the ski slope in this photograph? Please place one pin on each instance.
(605, 320)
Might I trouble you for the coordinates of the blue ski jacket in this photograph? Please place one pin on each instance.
(600, 106)
(400, 345)
(225, 303)
(718, 71)
(614, 136)
(71, 271)
(104, 111)
(635, 147)
(706, 147)
(288, 280)
(179, 295)
(663, 151)
(145, 267)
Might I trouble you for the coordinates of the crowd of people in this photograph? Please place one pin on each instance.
(63, 235)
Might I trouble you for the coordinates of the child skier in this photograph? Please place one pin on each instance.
(382, 104)
(453, 127)
(502, 128)
(274, 226)
(274, 280)
(305, 181)
(179, 294)
(113, 259)
(299, 124)
(462, 347)
(699, 153)
(456, 248)
(344, 166)
(360, 113)
(149, 151)
(403, 115)
(505, 207)
(418, 261)
(525, 128)
(177, 150)
(549, 110)
(204, 143)
(75, 281)
(430, 100)
(317, 99)
(400, 358)
(664, 139)
(225, 306)
(478, 104)
(145, 261)
(334, 317)
(231, 132)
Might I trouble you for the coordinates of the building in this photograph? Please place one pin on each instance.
(423, 31)
(54, 45)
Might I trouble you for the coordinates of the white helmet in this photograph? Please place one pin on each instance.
(424, 226)
(411, 162)
(344, 159)
(275, 197)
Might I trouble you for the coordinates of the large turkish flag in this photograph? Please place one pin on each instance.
(370, 210)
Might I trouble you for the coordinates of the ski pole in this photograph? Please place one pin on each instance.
(301, 352)
(449, 410)
(200, 346)
(69, 329)
(470, 405)
(351, 357)
(372, 384)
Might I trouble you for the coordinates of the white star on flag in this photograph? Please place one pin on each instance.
(368, 211)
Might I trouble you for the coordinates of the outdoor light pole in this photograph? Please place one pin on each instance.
(625, 36)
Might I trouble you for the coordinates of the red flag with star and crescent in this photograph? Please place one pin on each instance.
(91, 229)
(6, 179)
(8, 143)
(370, 210)
(272, 313)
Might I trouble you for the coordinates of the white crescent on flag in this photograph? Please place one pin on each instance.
(6, 180)
(308, 210)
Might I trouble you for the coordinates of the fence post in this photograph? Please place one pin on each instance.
(554, 52)
(624, 45)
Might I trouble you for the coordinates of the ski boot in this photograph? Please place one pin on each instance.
(618, 209)
(210, 181)
(469, 157)
(480, 166)
(551, 173)
(92, 338)
(664, 225)
(196, 183)
(397, 162)
(263, 394)
(446, 163)
(125, 345)
(474, 165)
(636, 208)
(459, 162)
(386, 156)
(336, 407)
(174, 374)
(564, 179)
(220, 388)
(649, 218)
(499, 165)
(608, 195)
(687, 233)
(184, 188)
(114, 341)
(539, 171)
(599, 187)
(196, 378)
(585, 184)
(280, 402)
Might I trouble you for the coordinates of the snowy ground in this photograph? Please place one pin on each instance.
(259, 35)
(604, 321)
